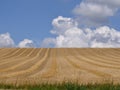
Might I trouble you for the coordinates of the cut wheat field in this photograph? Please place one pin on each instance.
(57, 65)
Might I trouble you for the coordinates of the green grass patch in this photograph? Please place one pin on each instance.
(64, 86)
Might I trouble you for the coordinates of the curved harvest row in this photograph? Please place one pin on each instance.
(58, 64)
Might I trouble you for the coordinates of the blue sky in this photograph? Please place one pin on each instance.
(32, 19)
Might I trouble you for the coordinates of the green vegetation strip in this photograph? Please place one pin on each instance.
(64, 86)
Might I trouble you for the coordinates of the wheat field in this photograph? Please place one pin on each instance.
(57, 65)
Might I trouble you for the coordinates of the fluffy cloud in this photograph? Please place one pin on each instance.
(6, 40)
(96, 12)
(111, 3)
(104, 37)
(48, 42)
(26, 43)
(60, 24)
(89, 13)
(70, 35)
(70, 32)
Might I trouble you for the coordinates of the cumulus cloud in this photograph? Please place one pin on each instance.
(48, 42)
(104, 37)
(96, 12)
(111, 3)
(6, 40)
(70, 32)
(61, 23)
(77, 32)
(26, 43)
(70, 35)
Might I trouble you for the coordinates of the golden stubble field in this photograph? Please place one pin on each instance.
(57, 65)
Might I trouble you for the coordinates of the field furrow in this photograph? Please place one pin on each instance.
(23, 61)
(76, 64)
(59, 64)
(14, 60)
(52, 70)
(5, 52)
(97, 61)
(27, 63)
(10, 54)
(28, 71)
(104, 54)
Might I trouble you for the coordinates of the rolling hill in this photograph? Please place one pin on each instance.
(57, 65)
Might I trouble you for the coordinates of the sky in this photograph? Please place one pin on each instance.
(59, 23)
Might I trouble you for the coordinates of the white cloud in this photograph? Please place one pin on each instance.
(67, 31)
(6, 40)
(96, 12)
(93, 10)
(26, 43)
(111, 3)
(48, 42)
(73, 37)
(70, 35)
(104, 37)
(61, 24)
